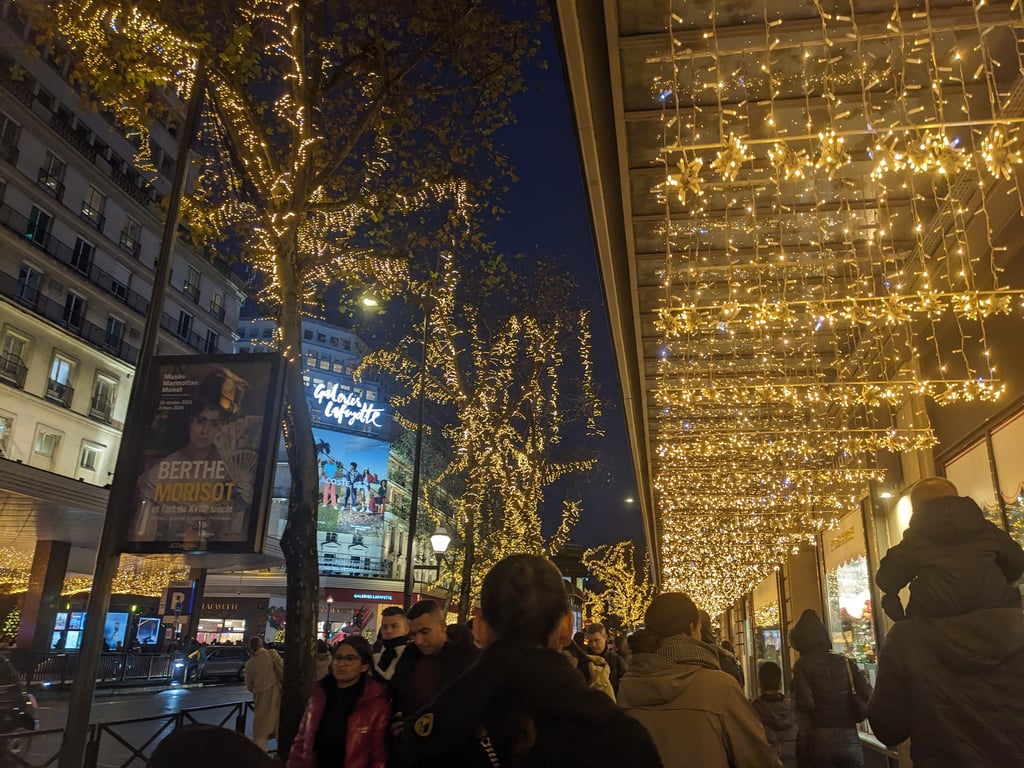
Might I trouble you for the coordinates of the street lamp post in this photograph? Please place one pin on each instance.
(416, 462)
(330, 608)
(439, 542)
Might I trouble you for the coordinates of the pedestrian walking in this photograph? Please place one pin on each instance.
(832, 695)
(696, 713)
(777, 713)
(264, 672)
(346, 720)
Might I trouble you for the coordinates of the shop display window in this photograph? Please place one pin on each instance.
(767, 625)
(851, 615)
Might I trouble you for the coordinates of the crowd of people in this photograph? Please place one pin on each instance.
(517, 688)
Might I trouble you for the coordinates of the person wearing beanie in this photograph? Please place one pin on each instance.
(696, 713)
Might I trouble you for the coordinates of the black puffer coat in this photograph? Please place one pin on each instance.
(953, 687)
(779, 718)
(954, 560)
(821, 680)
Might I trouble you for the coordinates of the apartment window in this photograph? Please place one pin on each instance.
(12, 359)
(184, 324)
(81, 257)
(332, 538)
(9, 133)
(119, 279)
(321, 337)
(29, 280)
(211, 342)
(311, 361)
(103, 392)
(217, 306)
(268, 333)
(346, 344)
(334, 341)
(325, 365)
(74, 310)
(59, 386)
(92, 207)
(191, 286)
(90, 457)
(51, 175)
(307, 335)
(338, 367)
(46, 443)
(38, 229)
(131, 237)
(115, 332)
(6, 432)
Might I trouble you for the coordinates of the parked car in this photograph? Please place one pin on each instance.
(220, 662)
(17, 710)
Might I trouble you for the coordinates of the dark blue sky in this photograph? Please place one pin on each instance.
(547, 215)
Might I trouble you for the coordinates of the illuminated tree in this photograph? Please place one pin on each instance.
(515, 379)
(626, 593)
(337, 135)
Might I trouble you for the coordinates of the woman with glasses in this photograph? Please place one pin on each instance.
(346, 719)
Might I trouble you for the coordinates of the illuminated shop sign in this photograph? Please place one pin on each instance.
(347, 408)
(383, 597)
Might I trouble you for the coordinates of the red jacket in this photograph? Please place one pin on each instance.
(367, 726)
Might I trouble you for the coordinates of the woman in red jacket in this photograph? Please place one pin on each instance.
(347, 715)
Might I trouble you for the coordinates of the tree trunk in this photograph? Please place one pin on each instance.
(298, 543)
(466, 584)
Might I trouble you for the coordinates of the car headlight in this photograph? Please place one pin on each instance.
(179, 664)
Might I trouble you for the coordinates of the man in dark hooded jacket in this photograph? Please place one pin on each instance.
(522, 705)
(954, 559)
(953, 687)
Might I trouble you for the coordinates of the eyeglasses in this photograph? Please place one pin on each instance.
(346, 659)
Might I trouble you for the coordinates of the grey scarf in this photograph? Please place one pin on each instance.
(683, 649)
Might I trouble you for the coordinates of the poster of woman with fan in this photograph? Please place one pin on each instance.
(201, 454)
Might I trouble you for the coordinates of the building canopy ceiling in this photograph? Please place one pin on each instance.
(802, 212)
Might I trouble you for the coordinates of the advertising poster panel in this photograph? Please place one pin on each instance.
(205, 447)
(353, 482)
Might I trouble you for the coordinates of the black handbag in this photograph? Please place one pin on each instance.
(858, 706)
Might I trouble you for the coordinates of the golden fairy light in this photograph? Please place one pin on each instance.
(812, 304)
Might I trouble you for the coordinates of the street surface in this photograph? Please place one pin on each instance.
(113, 706)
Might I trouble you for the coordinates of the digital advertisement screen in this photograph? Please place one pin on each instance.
(77, 620)
(114, 629)
(148, 632)
(74, 640)
(61, 621)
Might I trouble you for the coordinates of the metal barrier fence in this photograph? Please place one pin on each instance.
(123, 743)
(113, 669)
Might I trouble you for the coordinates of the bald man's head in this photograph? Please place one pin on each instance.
(931, 488)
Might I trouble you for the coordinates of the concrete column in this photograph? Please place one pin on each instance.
(49, 566)
(198, 577)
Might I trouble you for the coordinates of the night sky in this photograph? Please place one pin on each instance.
(548, 215)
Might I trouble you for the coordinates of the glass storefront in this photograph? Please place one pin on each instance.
(767, 621)
(848, 592)
(970, 471)
(221, 630)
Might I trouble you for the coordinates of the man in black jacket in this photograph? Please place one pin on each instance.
(953, 687)
(429, 663)
(597, 644)
(522, 704)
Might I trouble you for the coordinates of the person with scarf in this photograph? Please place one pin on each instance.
(394, 636)
(346, 719)
(696, 713)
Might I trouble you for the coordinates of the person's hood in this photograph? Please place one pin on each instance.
(809, 633)
(776, 712)
(652, 680)
(508, 671)
(947, 518)
(597, 661)
(974, 641)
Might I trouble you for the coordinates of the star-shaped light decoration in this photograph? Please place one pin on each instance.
(946, 157)
(728, 161)
(832, 155)
(688, 178)
(788, 163)
(1000, 152)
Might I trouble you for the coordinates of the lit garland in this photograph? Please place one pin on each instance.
(838, 228)
(135, 575)
(626, 593)
(514, 382)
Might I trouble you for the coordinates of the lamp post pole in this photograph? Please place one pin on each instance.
(416, 461)
(330, 608)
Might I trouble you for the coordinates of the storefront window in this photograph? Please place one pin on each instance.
(221, 630)
(848, 592)
(971, 473)
(767, 623)
(1009, 461)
